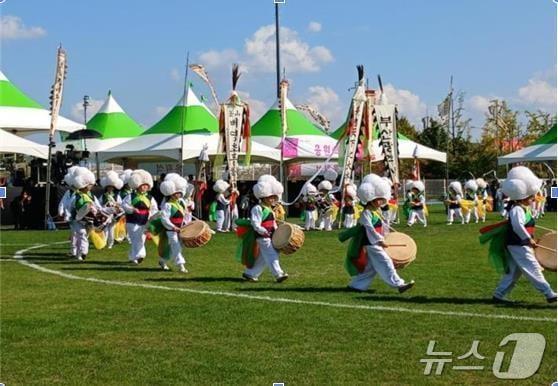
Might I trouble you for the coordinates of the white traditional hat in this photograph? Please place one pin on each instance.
(220, 186)
(309, 189)
(125, 176)
(325, 185)
(471, 185)
(515, 189)
(419, 185)
(482, 184)
(263, 189)
(111, 179)
(81, 178)
(525, 174)
(374, 187)
(456, 187)
(168, 188)
(140, 177)
(351, 191)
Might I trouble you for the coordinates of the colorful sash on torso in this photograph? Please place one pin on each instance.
(247, 249)
(356, 258)
(453, 205)
(513, 239)
(177, 213)
(142, 202)
(81, 200)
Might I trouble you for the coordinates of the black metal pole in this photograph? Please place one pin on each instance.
(277, 50)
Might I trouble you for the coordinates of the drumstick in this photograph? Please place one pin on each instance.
(396, 245)
(547, 248)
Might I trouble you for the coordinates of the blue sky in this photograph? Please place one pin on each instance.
(504, 49)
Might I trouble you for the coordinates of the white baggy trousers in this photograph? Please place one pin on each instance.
(454, 213)
(417, 214)
(523, 261)
(136, 233)
(80, 242)
(220, 220)
(378, 263)
(268, 256)
(175, 248)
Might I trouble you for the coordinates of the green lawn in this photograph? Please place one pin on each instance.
(208, 327)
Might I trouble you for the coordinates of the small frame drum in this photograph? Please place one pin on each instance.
(546, 252)
(288, 238)
(196, 234)
(401, 248)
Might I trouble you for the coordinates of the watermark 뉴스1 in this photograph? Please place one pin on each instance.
(525, 359)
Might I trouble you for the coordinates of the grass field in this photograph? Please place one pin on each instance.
(128, 324)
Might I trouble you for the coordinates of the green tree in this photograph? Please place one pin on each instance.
(435, 136)
(539, 122)
(406, 128)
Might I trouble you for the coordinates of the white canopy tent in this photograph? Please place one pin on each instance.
(409, 149)
(10, 143)
(533, 153)
(155, 147)
(543, 149)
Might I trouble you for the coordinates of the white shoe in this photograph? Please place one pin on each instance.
(182, 269)
(80, 258)
(163, 265)
(135, 262)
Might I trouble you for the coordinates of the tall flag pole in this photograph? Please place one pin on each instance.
(445, 113)
(278, 71)
(55, 104)
(183, 115)
(277, 49)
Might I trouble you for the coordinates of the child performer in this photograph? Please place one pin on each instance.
(83, 204)
(126, 190)
(326, 202)
(455, 194)
(139, 206)
(482, 196)
(262, 224)
(520, 186)
(111, 200)
(471, 198)
(223, 204)
(309, 202)
(190, 203)
(125, 177)
(417, 203)
(371, 258)
(349, 207)
(64, 209)
(172, 218)
(385, 208)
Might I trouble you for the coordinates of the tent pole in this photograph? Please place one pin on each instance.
(183, 115)
(98, 166)
(47, 186)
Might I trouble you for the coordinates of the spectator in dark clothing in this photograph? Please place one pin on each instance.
(22, 211)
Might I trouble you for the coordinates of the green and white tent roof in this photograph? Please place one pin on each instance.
(113, 122)
(21, 114)
(303, 139)
(543, 149)
(163, 141)
(408, 148)
(189, 117)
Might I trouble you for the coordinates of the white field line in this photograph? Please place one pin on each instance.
(20, 254)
